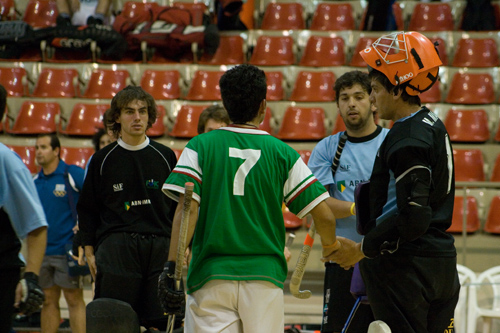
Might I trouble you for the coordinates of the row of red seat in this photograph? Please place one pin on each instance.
(309, 86)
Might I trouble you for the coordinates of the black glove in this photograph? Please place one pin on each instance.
(172, 301)
(32, 294)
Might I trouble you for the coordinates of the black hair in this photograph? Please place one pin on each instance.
(243, 88)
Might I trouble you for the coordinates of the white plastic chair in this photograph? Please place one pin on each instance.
(484, 300)
(466, 277)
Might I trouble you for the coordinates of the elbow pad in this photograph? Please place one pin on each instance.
(414, 221)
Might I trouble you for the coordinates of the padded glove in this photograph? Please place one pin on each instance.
(172, 301)
(32, 294)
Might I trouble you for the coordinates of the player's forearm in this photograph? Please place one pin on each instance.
(36, 242)
(324, 220)
(340, 208)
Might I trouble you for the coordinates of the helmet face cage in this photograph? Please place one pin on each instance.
(405, 57)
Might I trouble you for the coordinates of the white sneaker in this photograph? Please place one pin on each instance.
(378, 326)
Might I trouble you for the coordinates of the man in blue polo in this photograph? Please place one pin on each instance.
(58, 186)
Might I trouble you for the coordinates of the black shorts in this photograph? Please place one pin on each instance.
(128, 267)
(412, 294)
(338, 303)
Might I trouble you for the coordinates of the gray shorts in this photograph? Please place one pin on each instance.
(54, 271)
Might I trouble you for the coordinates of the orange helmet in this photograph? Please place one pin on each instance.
(405, 57)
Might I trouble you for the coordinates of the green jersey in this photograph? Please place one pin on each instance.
(241, 178)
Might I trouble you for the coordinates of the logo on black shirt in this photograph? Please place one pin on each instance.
(152, 184)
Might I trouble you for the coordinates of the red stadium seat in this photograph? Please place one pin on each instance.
(467, 125)
(57, 82)
(27, 154)
(77, 156)
(472, 215)
(441, 47)
(362, 43)
(158, 128)
(469, 165)
(323, 51)
(332, 16)
(41, 13)
(177, 152)
(230, 52)
(314, 87)
(431, 17)
(471, 88)
(495, 173)
(283, 16)
(162, 84)
(186, 123)
(305, 154)
(7, 10)
(85, 120)
(492, 224)
(476, 52)
(273, 51)
(302, 123)
(14, 80)
(105, 83)
(35, 118)
(433, 95)
(205, 86)
(275, 90)
(265, 125)
(292, 222)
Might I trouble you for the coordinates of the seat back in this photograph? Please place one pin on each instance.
(471, 88)
(323, 51)
(76, 155)
(469, 165)
(339, 125)
(495, 173)
(283, 16)
(471, 213)
(265, 125)
(361, 44)
(332, 16)
(433, 95)
(492, 224)
(476, 52)
(35, 118)
(305, 154)
(441, 47)
(229, 52)
(41, 13)
(186, 123)
(467, 125)
(161, 84)
(57, 82)
(485, 299)
(275, 90)
(27, 154)
(158, 127)
(431, 17)
(14, 80)
(273, 51)
(313, 87)
(106, 83)
(7, 10)
(302, 123)
(466, 277)
(85, 120)
(205, 86)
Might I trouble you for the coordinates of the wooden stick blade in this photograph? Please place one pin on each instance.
(300, 267)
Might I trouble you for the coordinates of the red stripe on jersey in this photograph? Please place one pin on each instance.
(189, 175)
(302, 190)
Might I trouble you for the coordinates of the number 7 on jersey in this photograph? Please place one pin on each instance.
(250, 157)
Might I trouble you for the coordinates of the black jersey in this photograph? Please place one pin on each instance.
(122, 192)
(418, 140)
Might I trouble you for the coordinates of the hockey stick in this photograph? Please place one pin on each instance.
(181, 246)
(298, 273)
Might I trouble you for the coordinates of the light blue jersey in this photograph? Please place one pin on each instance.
(356, 164)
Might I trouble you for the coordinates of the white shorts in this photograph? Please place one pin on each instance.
(223, 306)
